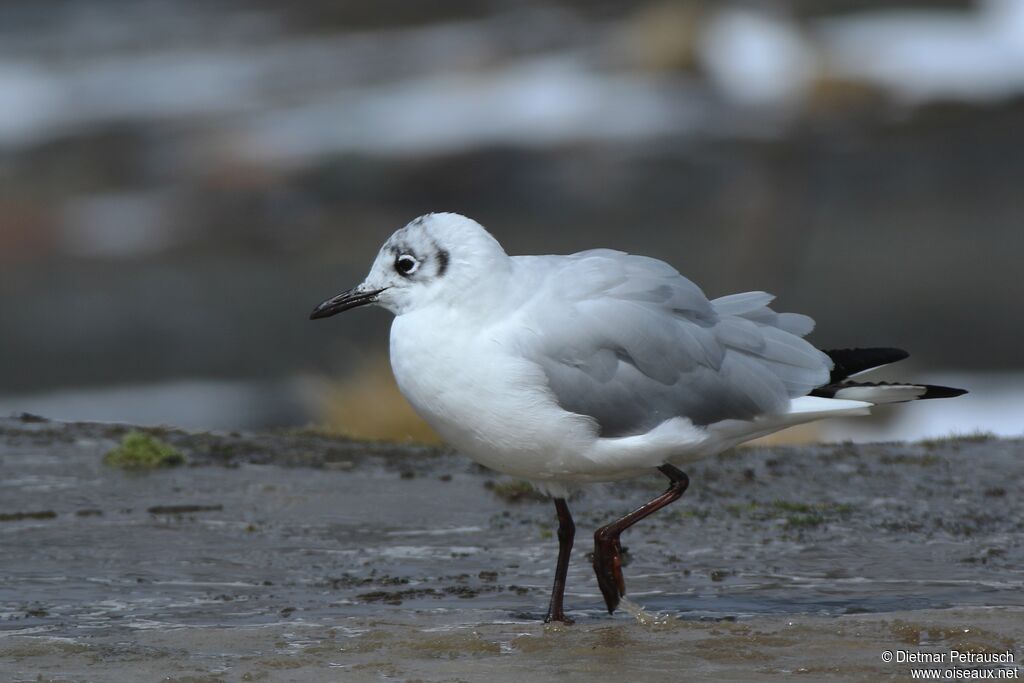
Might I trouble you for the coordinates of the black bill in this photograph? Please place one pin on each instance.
(353, 298)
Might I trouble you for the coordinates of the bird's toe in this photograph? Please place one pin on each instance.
(558, 617)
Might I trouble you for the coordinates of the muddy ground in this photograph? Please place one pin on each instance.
(301, 557)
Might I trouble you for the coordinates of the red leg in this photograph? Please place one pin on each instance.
(608, 551)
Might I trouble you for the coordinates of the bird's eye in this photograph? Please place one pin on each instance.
(406, 265)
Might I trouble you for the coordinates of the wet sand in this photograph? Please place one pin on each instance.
(296, 557)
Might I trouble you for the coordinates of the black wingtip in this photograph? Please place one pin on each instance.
(849, 362)
(935, 391)
(930, 390)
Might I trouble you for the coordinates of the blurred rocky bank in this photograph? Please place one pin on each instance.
(180, 182)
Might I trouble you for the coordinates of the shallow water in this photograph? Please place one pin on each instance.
(301, 558)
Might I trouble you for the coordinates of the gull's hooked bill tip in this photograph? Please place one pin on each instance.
(353, 298)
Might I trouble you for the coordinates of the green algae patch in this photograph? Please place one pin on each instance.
(795, 514)
(21, 516)
(514, 491)
(140, 451)
(804, 520)
(182, 509)
(956, 439)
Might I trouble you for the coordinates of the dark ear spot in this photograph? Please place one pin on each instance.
(443, 257)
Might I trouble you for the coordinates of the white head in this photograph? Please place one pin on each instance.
(439, 256)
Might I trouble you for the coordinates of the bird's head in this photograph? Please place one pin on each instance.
(436, 257)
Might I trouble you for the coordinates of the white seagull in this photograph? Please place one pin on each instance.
(596, 366)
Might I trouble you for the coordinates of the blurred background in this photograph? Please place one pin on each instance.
(181, 181)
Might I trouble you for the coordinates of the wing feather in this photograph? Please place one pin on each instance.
(630, 342)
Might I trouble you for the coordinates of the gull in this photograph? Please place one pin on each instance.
(596, 366)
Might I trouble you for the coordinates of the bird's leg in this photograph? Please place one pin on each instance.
(608, 552)
(566, 533)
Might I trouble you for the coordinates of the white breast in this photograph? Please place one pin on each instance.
(488, 403)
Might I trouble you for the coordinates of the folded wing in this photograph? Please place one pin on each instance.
(629, 342)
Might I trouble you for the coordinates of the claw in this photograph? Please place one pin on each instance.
(608, 568)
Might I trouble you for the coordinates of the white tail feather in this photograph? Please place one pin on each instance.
(728, 433)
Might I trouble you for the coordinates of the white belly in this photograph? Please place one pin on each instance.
(490, 405)
(494, 406)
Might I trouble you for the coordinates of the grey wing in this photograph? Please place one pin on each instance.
(630, 342)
